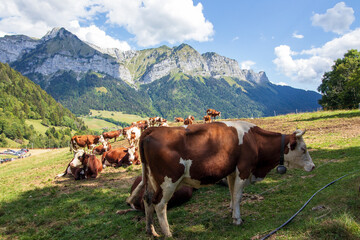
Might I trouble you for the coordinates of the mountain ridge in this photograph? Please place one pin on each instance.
(71, 70)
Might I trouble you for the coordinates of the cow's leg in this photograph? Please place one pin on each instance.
(149, 211)
(168, 189)
(231, 181)
(131, 199)
(239, 185)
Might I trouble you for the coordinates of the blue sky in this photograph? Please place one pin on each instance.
(294, 42)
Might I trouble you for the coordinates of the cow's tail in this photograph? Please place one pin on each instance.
(144, 180)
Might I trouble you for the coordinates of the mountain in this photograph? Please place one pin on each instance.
(158, 81)
(22, 99)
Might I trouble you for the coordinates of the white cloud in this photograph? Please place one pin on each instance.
(150, 21)
(247, 64)
(337, 19)
(235, 38)
(296, 35)
(155, 21)
(309, 65)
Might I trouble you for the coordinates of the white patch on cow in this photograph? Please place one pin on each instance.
(101, 139)
(151, 178)
(241, 128)
(186, 177)
(131, 151)
(76, 161)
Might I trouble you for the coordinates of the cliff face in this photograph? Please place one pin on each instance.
(60, 50)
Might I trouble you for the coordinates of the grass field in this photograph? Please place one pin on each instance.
(118, 116)
(97, 124)
(34, 205)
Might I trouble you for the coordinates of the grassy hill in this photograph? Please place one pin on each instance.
(33, 205)
(21, 100)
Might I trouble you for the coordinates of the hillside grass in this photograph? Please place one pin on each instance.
(34, 205)
(97, 124)
(118, 116)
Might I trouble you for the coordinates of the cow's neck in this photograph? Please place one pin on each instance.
(269, 151)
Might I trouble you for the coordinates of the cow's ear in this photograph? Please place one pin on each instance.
(126, 150)
(293, 141)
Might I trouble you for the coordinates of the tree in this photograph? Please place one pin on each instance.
(341, 86)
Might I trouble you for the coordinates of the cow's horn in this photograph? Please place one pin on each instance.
(300, 133)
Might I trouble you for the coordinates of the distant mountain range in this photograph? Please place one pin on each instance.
(162, 81)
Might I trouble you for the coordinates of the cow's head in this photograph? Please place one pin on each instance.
(77, 160)
(132, 153)
(101, 139)
(296, 154)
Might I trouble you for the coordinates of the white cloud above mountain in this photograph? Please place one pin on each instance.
(150, 21)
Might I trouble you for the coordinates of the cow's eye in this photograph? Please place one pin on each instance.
(303, 149)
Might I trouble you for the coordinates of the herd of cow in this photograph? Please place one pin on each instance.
(177, 159)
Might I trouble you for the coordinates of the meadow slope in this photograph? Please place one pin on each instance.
(34, 205)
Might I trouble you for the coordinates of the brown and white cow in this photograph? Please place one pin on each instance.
(122, 156)
(133, 135)
(181, 196)
(82, 166)
(207, 119)
(188, 121)
(113, 134)
(203, 154)
(213, 113)
(99, 150)
(178, 119)
(89, 141)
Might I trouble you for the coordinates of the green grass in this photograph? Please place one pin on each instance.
(33, 205)
(97, 124)
(118, 116)
(38, 126)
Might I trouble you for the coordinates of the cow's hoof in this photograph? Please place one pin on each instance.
(238, 221)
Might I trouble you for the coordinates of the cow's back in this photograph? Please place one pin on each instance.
(202, 152)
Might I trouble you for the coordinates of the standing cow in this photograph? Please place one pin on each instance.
(89, 141)
(113, 134)
(203, 154)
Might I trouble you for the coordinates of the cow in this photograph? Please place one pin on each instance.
(178, 119)
(181, 196)
(213, 113)
(83, 141)
(122, 156)
(207, 119)
(191, 117)
(142, 124)
(113, 134)
(188, 121)
(156, 120)
(82, 166)
(99, 150)
(133, 135)
(203, 154)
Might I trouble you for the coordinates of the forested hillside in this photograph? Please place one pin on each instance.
(22, 99)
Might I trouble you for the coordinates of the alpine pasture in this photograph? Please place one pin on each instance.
(35, 205)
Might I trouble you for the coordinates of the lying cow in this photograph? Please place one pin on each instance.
(121, 157)
(82, 166)
(99, 150)
(178, 119)
(113, 134)
(89, 141)
(203, 154)
(181, 196)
